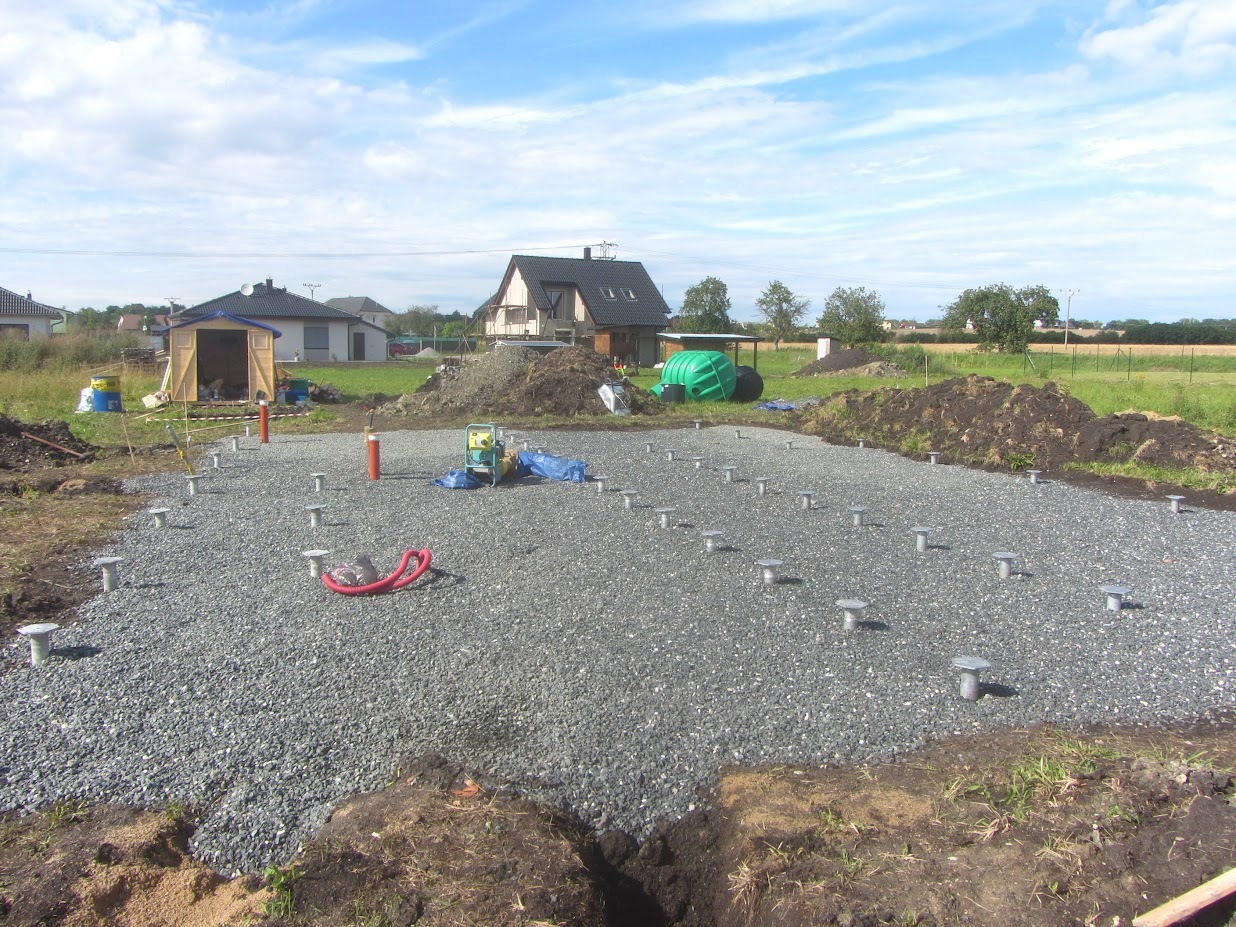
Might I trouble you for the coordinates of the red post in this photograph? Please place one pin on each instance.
(264, 420)
(375, 466)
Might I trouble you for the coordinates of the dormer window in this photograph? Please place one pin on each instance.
(608, 292)
(628, 294)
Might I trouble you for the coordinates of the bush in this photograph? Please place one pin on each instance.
(65, 352)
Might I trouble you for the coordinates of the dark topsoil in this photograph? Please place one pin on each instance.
(1040, 828)
(520, 382)
(1036, 827)
(845, 359)
(981, 422)
(23, 454)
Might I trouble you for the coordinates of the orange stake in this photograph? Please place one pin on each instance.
(264, 420)
(375, 466)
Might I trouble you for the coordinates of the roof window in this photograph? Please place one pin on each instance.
(628, 294)
(608, 292)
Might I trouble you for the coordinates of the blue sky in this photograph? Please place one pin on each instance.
(156, 148)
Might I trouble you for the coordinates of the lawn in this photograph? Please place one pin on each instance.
(1199, 389)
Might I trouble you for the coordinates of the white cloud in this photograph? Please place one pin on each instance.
(157, 131)
(748, 11)
(1192, 36)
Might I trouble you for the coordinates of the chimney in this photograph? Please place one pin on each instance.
(587, 254)
(270, 285)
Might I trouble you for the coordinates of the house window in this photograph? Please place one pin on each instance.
(555, 303)
(628, 294)
(317, 338)
(608, 292)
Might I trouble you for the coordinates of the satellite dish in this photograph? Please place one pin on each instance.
(246, 289)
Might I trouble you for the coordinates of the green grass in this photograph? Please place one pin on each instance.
(357, 380)
(1157, 384)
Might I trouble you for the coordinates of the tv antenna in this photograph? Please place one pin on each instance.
(311, 287)
(607, 251)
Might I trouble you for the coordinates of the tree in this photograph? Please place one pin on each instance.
(782, 310)
(705, 308)
(853, 315)
(1002, 316)
(415, 320)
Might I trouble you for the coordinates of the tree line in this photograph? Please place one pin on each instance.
(997, 316)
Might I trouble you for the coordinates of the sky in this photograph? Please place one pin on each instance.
(403, 150)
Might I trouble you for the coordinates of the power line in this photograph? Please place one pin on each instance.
(306, 255)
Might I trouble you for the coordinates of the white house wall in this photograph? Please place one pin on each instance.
(375, 343)
(37, 326)
(291, 345)
(508, 323)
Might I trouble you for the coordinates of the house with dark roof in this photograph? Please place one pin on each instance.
(611, 306)
(368, 309)
(309, 330)
(22, 317)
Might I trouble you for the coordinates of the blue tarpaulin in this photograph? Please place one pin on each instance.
(458, 479)
(775, 405)
(551, 467)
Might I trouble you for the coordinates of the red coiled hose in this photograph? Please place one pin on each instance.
(395, 580)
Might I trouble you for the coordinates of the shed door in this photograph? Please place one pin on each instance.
(358, 345)
(261, 365)
(184, 366)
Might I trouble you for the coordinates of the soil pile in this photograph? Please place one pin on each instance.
(850, 362)
(988, 423)
(24, 454)
(517, 381)
(565, 382)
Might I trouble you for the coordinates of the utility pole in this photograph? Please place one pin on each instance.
(311, 287)
(1068, 312)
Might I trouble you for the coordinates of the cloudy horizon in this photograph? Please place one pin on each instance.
(163, 148)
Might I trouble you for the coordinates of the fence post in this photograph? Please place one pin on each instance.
(1051, 359)
(1192, 351)
(1130, 376)
(1073, 370)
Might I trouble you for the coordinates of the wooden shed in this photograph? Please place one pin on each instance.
(221, 356)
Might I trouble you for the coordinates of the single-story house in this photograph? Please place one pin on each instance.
(311, 331)
(611, 306)
(221, 356)
(21, 316)
(368, 309)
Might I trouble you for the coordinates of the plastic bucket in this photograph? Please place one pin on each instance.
(673, 392)
(105, 394)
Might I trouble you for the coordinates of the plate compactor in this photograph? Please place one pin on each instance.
(484, 457)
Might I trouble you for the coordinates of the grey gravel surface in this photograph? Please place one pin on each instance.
(582, 652)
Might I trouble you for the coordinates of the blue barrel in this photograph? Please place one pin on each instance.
(106, 394)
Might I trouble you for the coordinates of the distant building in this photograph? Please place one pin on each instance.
(22, 317)
(368, 309)
(611, 306)
(309, 330)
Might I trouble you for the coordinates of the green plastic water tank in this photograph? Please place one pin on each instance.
(707, 376)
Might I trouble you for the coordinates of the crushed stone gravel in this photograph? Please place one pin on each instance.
(582, 652)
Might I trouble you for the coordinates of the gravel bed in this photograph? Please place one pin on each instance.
(582, 652)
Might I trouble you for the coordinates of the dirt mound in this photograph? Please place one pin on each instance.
(846, 359)
(989, 423)
(24, 454)
(565, 382)
(517, 381)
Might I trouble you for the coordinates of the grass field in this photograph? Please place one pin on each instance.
(1198, 388)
